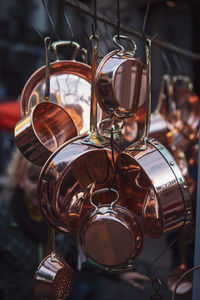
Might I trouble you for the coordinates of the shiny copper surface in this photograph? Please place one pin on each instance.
(118, 83)
(111, 238)
(53, 279)
(158, 128)
(69, 87)
(43, 130)
(65, 180)
(168, 204)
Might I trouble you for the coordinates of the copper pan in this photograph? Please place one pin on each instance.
(118, 81)
(110, 234)
(168, 205)
(66, 177)
(54, 277)
(70, 86)
(45, 127)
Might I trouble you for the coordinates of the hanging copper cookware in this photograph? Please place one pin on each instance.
(118, 81)
(110, 234)
(70, 83)
(66, 178)
(54, 277)
(45, 127)
(167, 205)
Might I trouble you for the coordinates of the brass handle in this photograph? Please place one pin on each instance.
(101, 191)
(57, 44)
(124, 37)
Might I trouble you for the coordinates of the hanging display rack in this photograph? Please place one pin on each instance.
(104, 19)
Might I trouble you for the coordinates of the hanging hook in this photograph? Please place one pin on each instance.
(118, 18)
(145, 21)
(69, 25)
(50, 20)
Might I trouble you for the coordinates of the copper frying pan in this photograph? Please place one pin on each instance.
(70, 83)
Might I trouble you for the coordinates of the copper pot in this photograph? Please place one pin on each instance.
(110, 234)
(70, 84)
(167, 204)
(46, 126)
(118, 82)
(65, 181)
(43, 130)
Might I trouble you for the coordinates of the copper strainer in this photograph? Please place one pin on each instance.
(54, 277)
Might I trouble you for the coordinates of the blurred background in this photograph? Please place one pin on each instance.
(24, 22)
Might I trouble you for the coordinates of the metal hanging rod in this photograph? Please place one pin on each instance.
(166, 45)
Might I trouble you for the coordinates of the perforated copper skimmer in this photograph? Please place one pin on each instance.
(54, 277)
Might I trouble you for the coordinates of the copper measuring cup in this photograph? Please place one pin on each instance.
(46, 127)
(110, 234)
(70, 83)
(118, 81)
(54, 277)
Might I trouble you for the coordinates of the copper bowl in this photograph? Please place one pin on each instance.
(43, 130)
(165, 204)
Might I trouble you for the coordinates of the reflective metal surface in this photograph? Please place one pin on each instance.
(43, 130)
(69, 87)
(168, 205)
(118, 83)
(111, 238)
(53, 279)
(65, 180)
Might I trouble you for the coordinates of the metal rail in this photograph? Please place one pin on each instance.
(102, 18)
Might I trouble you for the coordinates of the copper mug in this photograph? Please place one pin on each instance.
(110, 234)
(118, 81)
(165, 203)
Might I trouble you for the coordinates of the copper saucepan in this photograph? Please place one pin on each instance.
(54, 277)
(46, 127)
(118, 81)
(70, 83)
(110, 234)
(168, 205)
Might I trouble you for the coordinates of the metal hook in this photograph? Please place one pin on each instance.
(145, 19)
(124, 37)
(69, 25)
(118, 18)
(50, 20)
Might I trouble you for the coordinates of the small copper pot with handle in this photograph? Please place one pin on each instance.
(118, 81)
(46, 127)
(110, 234)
